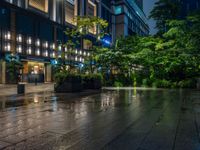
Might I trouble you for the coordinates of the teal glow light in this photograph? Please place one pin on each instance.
(118, 10)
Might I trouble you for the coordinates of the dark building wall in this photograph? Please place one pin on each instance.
(49, 26)
(4, 17)
(34, 34)
(129, 18)
(188, 6)
(139, 3)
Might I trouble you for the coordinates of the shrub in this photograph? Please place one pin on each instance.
(189, 83)
(63, 76)
(162, 83)
(146, 82)
(92, 77)
(92, 81)
(118, 84)
(60, 77)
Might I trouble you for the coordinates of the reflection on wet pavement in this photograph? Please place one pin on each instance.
(135, 119)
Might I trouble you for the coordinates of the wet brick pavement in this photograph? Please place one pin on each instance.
(128, 119)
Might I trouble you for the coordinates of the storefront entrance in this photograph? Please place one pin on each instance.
(33, 72)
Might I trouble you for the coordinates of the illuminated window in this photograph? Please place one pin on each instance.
(38, 52)
(29, 51)
(19, 49)
(19, 38)
(7, 47)
(92, 11)
(70, 11)
(87, 44)
(41, 5)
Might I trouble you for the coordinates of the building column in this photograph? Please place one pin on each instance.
(13, 31)
(48, 73)
(3, 72)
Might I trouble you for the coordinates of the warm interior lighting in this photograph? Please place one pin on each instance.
(19, 38)
(8, 36)
(38, 42)
(38, 52)
(71, 11)
(19, 49)
(29, 50)
(29, 41)
(92, 11)
(41, 5)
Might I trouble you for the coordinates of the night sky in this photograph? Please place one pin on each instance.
(148, 5)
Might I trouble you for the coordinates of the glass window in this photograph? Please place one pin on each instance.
(70, 11)
(92, 9)
(41, 5)
(118, 10)
(87, 44)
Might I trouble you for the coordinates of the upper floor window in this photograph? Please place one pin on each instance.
(91, 10)
(70, 11)
(41, 5)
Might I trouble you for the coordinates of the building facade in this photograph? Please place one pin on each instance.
(33, 29)
(128, 18)
(188, 6)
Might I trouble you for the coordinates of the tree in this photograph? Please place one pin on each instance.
(13, 68)
(163, 11)
(91, 25)
(84, 26)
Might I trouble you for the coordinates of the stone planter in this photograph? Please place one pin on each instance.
(71, 84)
(94, 84)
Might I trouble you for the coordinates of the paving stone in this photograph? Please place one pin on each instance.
(117, 119)
(4, 144)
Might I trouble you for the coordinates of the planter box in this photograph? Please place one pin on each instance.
(94, 84)
(69, 85)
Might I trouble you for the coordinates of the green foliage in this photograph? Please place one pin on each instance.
(118, 84)
(189, 83)
(87, 77)
(163, 11)
(13, 68)
(146, 82)
(162, 83)
(86, 23)
(171, 60)
(61, 77)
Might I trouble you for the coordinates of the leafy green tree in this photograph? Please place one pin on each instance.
(13, 68)
(85, 25)
(163, 11)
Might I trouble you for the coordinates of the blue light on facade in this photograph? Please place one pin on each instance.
(81, 65)
(54, 62)
(10, 57)
(106, 41)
